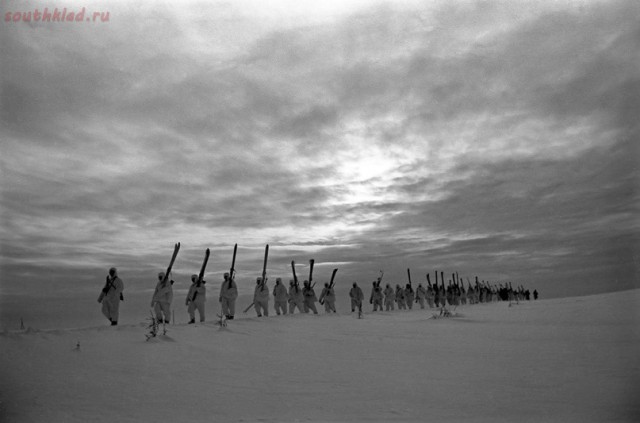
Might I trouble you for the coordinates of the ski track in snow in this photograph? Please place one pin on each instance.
(569, 359)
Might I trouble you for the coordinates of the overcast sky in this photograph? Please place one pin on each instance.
(497, 139)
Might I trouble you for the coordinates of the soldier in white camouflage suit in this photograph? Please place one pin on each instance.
(328, 299)
(409, 296)
(296, 298)
(421, 294)
(228, 296)
(196, 298)
(162, 298)
(389, 298)
(280, 297)
(309, 298)
(111, 296)
(357, 296)
(376, 296)
(261, 298)
(400, 298)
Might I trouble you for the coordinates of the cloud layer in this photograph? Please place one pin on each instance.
(496, 139)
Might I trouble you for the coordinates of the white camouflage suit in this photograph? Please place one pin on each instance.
(162, 298)
(261, 298)
(296, 298)
(328, 299)
(228, 296)
(110, 296)
(195, 299)
(280, 297)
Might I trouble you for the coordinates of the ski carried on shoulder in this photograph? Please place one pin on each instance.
(222, 319)
(293, 269)
(333, 276)
(201, 274)
(409, 276)
(264, 267)
(311, 262)
(204, 265)
(232, 271)
(176, 248)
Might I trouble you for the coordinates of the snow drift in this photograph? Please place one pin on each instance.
(570, 359)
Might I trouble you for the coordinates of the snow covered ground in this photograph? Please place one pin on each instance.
(569, 359)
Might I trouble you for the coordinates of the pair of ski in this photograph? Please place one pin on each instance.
(200, 280)
(296, 284)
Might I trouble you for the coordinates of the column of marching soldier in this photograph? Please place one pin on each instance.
(304, 299)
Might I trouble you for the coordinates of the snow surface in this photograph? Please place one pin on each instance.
(565, 360)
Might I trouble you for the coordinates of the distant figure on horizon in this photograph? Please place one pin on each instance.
(400, 299)
(196, 297)
(437, 296)
(280, 297)
(162, 298)
(228, 296)
(535, 294)
(409, 296)
(261, 298)
(431, 295)
(111, 296)
(421, 294)
(296, 299)
(389, 298)
(357, 296)
(449, 294)
(309, 298)
(376, 296)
